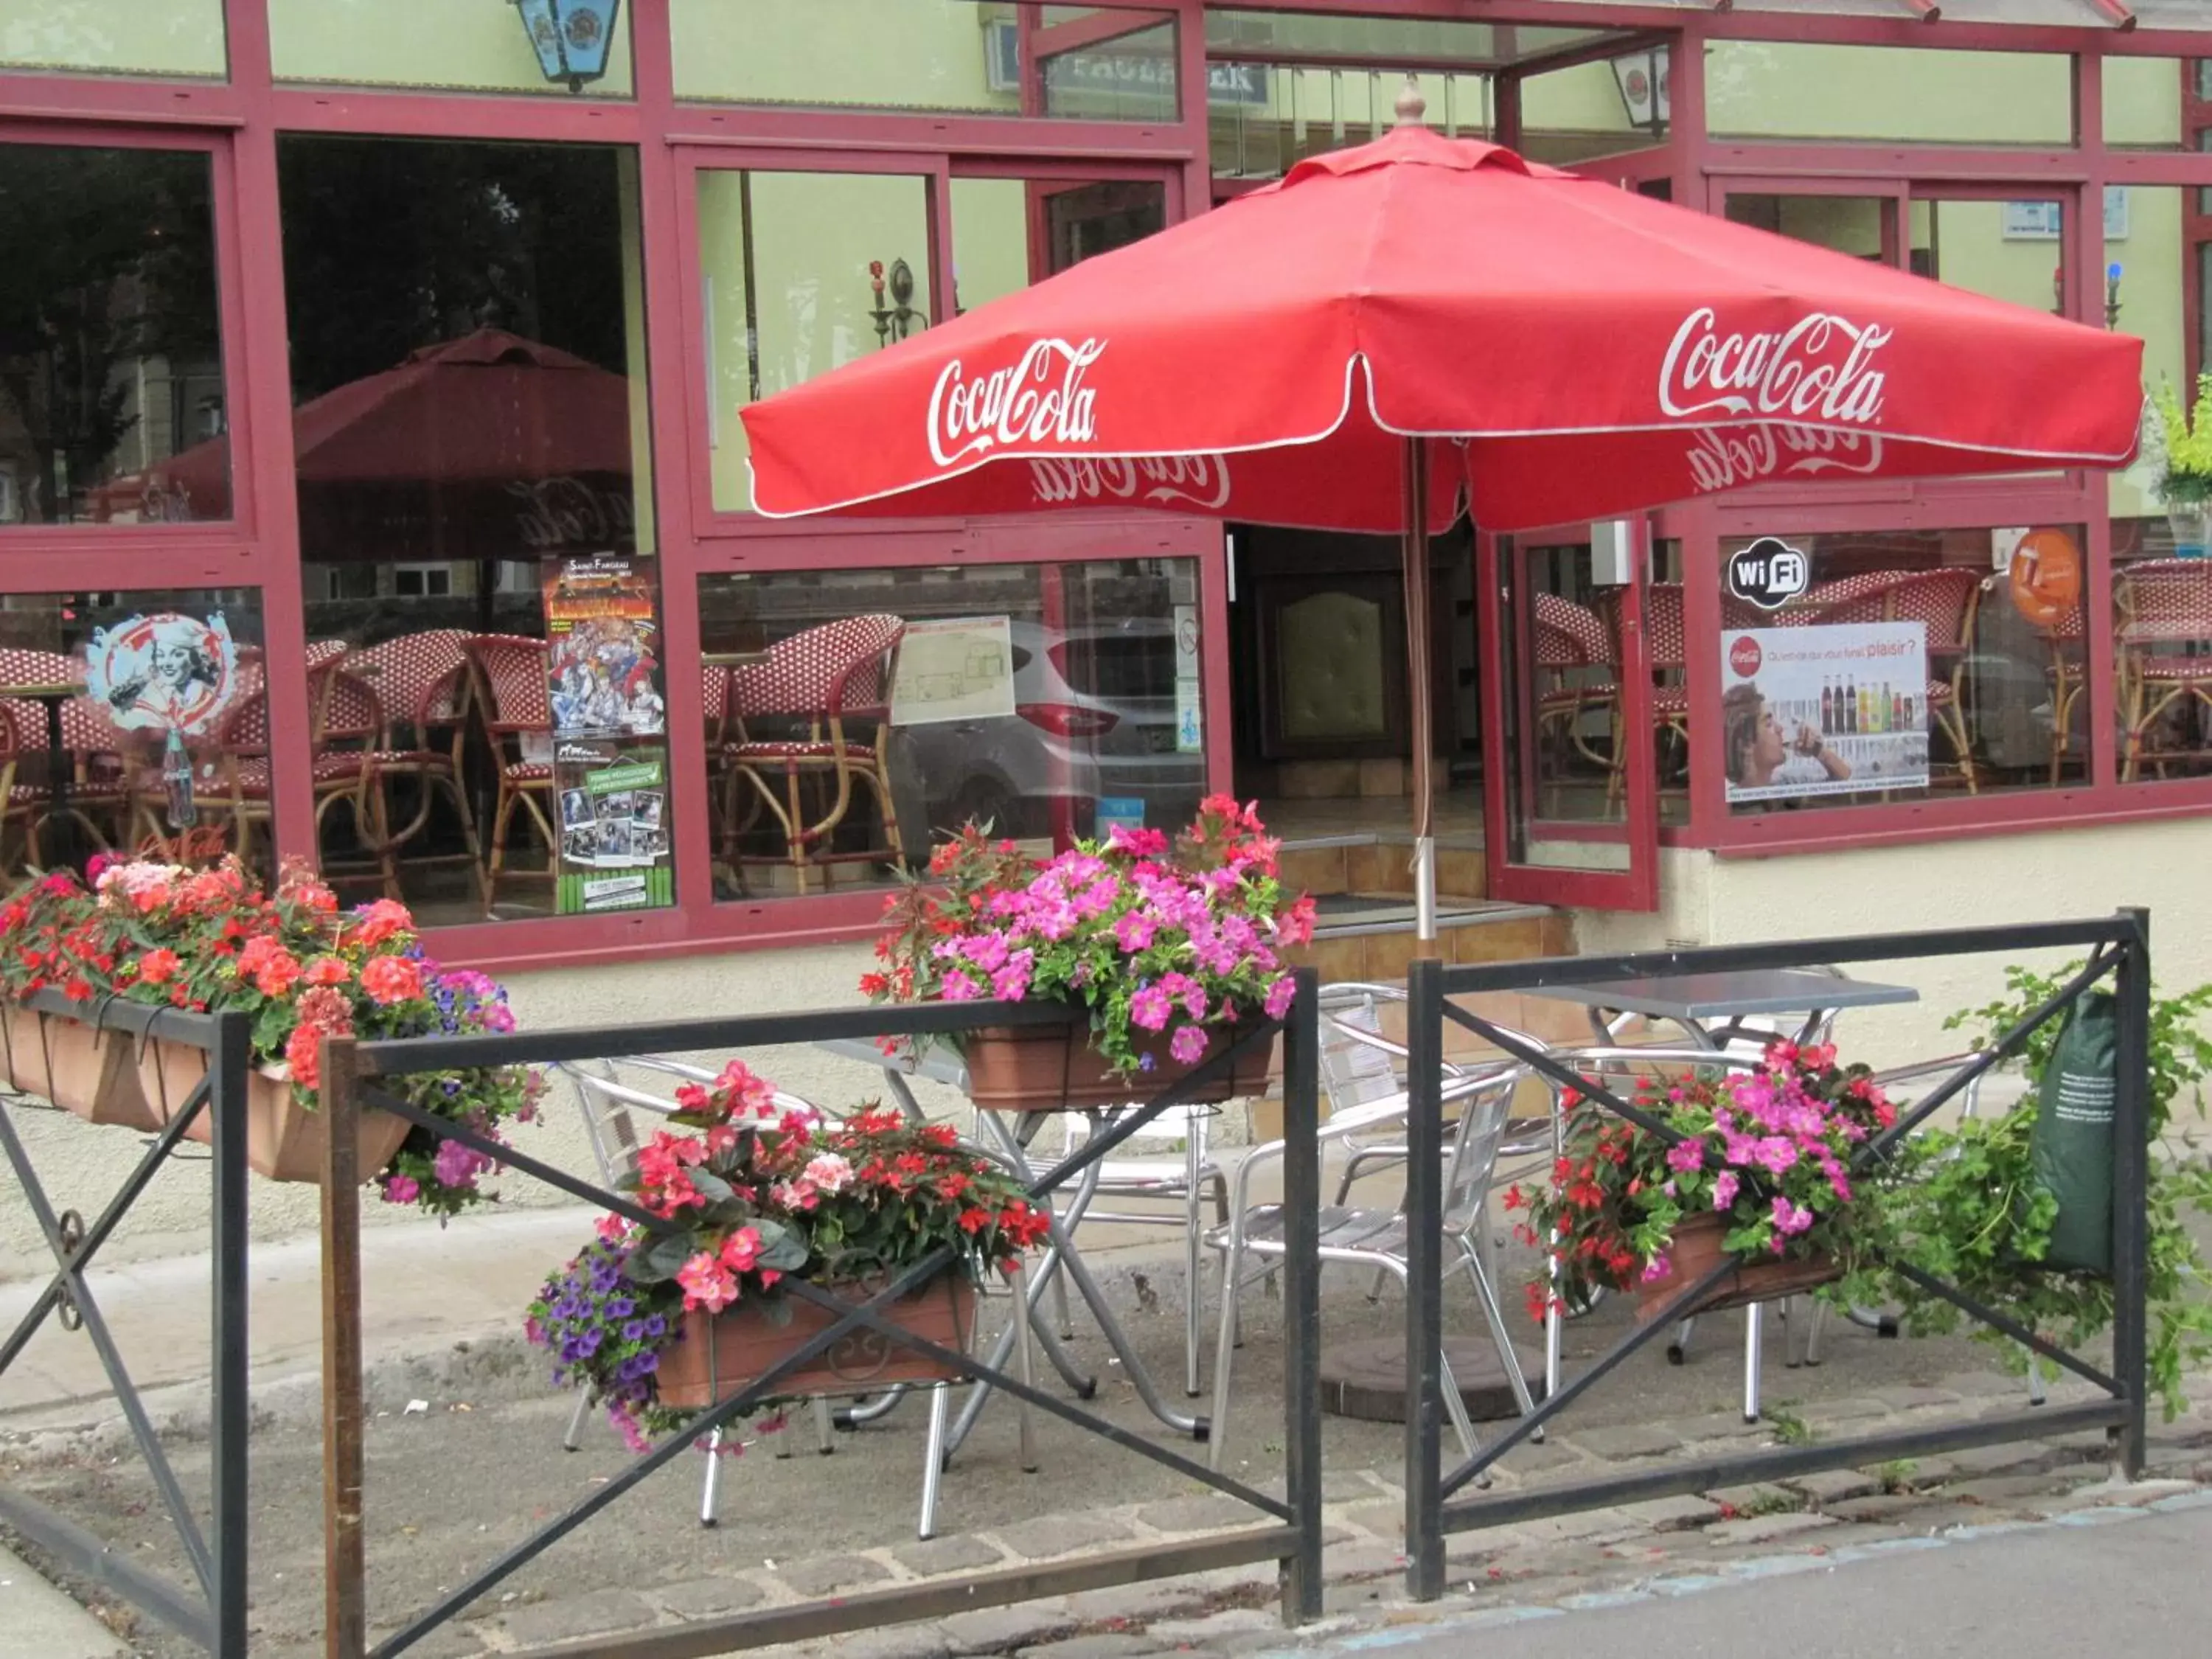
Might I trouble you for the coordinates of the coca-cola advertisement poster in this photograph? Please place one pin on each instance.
(1840, 709)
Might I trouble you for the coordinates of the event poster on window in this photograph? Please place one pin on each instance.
(609, 736)
(1829, 710)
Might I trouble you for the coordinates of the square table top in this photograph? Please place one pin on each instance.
(1739, 996)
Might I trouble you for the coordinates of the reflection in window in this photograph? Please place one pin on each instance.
(437, 43)
(1099, 63)
(798, 273)
(1906, 667)
(115, 37)
(111, 355)
(467, 347)
(1913, 95)
(855, 717)
(134, 720)
(1264, 118)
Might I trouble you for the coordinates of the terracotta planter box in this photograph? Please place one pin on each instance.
(284, 1139)
(1695, 1251)
(85, 1072)
(743, 1342)
(1044, 1068)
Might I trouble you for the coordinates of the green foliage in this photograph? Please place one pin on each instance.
(1969, 1210)
(1788, 1427)
(2188, 443)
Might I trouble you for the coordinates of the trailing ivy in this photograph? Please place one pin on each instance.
(1970, 1212)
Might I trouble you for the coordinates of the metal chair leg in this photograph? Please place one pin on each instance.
(825, 1433)
(1224, 1353)
(571, 1441)
(932, 1465)
(1509, 1359)
(1194, 1258)
(710, 1490)
(1754, 1334)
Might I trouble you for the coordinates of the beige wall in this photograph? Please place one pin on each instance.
(157, 37)
(920, 54)
(2087, 871)
(1776, 90)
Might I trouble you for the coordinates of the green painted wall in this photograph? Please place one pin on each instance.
(140, 37)
(918, 54)
(477, 44)
(1769, 89)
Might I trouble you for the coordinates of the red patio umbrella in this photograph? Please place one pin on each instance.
(1392, 325)
(489, 408)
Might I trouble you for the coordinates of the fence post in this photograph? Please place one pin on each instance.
(2132, 1156)
(345, 1566)
(1302, 1586)
(1424, 1151)
(229, 1063)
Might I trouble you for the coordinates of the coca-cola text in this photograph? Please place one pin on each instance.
(1200, 482)
(1038, 401)
(1820, 369)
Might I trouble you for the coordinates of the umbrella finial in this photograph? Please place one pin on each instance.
(1412, 107)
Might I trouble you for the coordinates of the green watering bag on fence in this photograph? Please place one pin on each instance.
(2073, 1141)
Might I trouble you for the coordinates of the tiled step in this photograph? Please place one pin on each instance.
(1365, 864)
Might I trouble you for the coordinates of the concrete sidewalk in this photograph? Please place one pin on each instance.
(423, 1286)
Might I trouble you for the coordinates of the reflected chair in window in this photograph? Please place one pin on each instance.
(813, 684)
(513, 704)
(337, 758)
(1575, 670)
(2165, 621)
(2069, 675)
(1946, 602)
(420, 682)
(1666, 633)
(28, 801)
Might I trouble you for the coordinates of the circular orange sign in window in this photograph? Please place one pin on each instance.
(2046, 577)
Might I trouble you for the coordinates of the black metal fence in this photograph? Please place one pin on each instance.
(213, 1613)
(2119, 949)
(1292, 1533)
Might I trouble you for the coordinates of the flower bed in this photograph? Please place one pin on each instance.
(209, 940)
(1169, 944)
(762, 1197)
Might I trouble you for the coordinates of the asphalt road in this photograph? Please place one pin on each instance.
(2128, 1586)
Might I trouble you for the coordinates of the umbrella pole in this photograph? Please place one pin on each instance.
(1415, 551)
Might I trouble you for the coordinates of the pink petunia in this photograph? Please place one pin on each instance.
(1187, 1045)
(1725, 1185)
(1280, 995)
(1791, 1218)
(1149, 1008)
(1685, 1156)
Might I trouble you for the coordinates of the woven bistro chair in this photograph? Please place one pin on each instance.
(816, 681)
(1946, 602)
(1666, 634)
(512, 700)
(420, 682)
(1576, 672)
(2164, 624)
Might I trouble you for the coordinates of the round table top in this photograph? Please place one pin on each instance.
(36, 692)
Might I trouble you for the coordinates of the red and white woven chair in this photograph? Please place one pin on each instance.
(245, 790)
(2165, 623)
(513, 703)
(1575, 670)
(814, 682)
(1666, 633)
(421, 681)
(1946, 602)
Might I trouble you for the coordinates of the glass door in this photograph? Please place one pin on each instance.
(1572, 639)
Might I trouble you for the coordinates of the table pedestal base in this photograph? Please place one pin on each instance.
(1367, 1380)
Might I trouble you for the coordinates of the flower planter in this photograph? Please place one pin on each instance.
(81, 1070)
(743, 1342)
(1696, 1250)
(1043, 1068)
(284, 1140)
(2190, 525)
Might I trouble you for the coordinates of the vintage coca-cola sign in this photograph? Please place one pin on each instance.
(1200, 482)
(556, 514)
(1819, 370)
(1038, 401)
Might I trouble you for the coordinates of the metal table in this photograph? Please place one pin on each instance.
(1010, 1135)
(1714, 1009)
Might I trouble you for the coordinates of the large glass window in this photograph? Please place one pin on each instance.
(2157, 249)
(1098, 63)
(440, 44)
(1589, 110)
(1909, 663)
(132, 719)
(801, 272)
(1913, 95)
(114, 37)
(112, 396)
(482, 610)
(856, 716)
(2143, 100)
(1263, 118)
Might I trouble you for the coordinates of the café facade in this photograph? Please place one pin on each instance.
(373, 491)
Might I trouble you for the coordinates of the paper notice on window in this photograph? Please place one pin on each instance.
(1835, 710)
(955, 668)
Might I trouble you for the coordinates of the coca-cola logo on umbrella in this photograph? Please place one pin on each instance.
(1038, 401)
(1819, 370)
